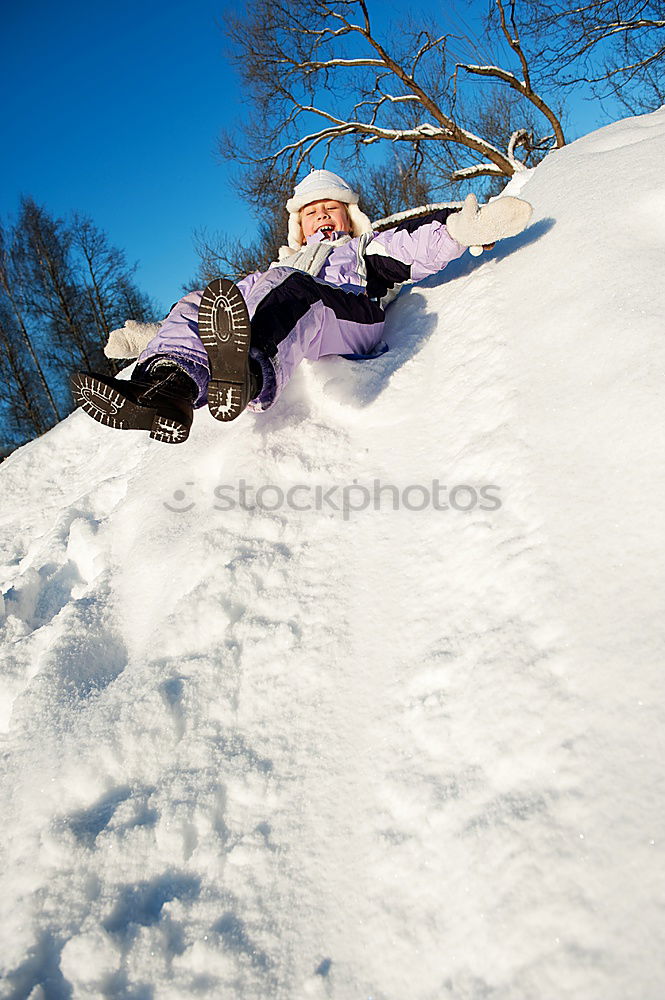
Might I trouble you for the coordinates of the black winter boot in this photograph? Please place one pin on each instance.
(160, 400)
(224, 328)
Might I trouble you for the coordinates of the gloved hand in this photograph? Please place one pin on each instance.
(476, 227)
(130, 340)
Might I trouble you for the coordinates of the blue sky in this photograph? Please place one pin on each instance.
(114, 110)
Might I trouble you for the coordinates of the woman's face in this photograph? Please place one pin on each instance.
(324, 216)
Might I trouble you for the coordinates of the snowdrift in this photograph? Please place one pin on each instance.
(363, 696)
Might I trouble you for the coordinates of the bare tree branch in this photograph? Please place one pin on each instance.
(299, 60)
(616, 48)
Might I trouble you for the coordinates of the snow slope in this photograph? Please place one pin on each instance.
(399, 754)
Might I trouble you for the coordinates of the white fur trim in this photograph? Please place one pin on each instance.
(360, 223)
(296, 238)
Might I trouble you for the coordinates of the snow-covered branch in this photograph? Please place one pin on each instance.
(330, 63)
(478, 170)
(388, 92)
(413, 213)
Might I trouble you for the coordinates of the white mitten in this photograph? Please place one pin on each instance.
(129, 341)
(475, 227)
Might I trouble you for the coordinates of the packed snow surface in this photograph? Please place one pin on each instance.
(278, 724)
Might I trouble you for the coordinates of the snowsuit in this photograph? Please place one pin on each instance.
(327, 299)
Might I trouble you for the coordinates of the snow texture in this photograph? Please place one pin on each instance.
(385, 753)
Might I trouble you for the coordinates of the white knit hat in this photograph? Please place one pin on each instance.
(317, 186)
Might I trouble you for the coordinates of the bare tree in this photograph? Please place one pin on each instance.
(62, 288)
(17, 340)
(266, 190)
(131, 302)
(616, 48)
(99, 267)
(76, 286)
(22, 405)
(223, 257)
(387, 188)
(43, 250)
(110, 295)
(319, 75)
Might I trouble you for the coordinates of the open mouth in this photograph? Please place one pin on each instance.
(326, 230)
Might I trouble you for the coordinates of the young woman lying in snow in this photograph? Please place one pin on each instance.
(237, 346)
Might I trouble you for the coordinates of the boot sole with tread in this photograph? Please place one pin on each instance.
(107, 405)
(224, 329)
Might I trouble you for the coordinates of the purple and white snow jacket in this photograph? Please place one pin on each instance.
(328, 298)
